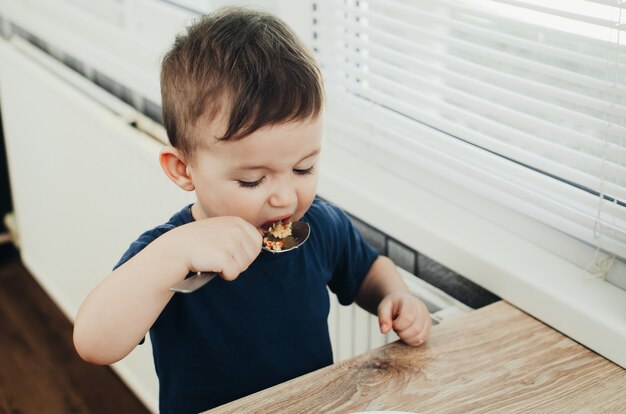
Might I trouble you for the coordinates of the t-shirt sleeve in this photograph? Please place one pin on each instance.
(352, 257)
(143, 240)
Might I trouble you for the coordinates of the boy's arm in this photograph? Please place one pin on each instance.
(118, 313)
(384, 293)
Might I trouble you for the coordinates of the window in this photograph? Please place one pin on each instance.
(520, 102)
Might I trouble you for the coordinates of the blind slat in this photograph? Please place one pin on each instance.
(519, 154)
(551, 132)
(392, 60)
(614, 3)
(503, 189)
(459, 153)
(407, 15)
(564, 33)
(485, 53)
(499, 124)
(561, 13)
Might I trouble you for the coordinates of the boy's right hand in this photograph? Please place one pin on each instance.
(226, 245)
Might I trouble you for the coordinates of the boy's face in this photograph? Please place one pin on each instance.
(266, 176)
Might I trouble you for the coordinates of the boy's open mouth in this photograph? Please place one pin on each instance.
(268, 224)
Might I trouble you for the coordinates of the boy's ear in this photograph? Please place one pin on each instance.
(175, 166)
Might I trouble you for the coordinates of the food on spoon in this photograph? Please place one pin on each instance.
(277, 233)
(275, 245)
(280, 230)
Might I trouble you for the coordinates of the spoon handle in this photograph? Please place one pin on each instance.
(194, 282)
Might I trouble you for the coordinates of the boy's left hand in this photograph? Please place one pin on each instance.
(406, 315)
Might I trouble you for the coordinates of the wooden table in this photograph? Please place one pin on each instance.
(495, 359)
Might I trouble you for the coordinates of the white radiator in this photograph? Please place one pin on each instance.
(354, 331)
(80, 173)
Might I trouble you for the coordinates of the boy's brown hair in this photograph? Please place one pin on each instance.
(243, 63)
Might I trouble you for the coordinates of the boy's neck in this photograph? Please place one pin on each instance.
(193, 211)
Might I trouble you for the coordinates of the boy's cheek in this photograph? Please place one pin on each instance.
(305, 204)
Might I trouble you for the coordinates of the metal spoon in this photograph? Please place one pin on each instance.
(299, 234)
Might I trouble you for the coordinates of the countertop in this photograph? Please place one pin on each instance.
(494, 359)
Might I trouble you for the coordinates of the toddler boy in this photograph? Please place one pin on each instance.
(242, 106)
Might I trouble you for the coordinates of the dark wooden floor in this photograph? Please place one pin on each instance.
(40, 371)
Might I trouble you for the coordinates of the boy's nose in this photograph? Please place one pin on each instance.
(284, 194)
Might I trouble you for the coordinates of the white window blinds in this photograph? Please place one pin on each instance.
(525, 100)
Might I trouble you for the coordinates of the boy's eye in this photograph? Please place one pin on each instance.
(305, 171)
(250, 184)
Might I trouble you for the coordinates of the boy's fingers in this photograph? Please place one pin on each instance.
(256, 235)
(251, 242)
(410, 335)
(413, 341)
(417, 335)
(406, 316)
(425, 331)
(385, 315)
(250, 249)
(250, 231)
(230, 269)
(242, 258)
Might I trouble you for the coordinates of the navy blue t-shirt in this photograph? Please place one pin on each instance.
(230, 339)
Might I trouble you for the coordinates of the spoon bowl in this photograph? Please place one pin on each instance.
(299, 234)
